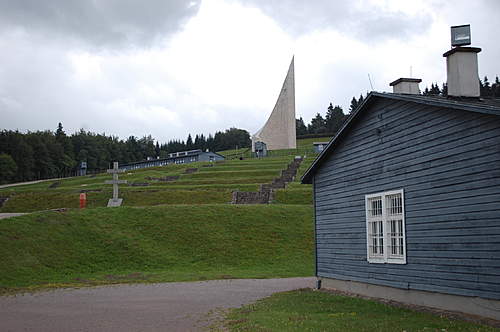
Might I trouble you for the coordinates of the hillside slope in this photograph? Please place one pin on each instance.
(164, 243)
(176, 223)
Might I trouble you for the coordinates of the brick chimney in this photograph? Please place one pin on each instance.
(462, 72)
(406, 85)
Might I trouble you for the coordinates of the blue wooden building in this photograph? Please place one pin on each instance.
(183, 157)
(407, 202)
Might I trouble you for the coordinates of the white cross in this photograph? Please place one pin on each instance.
(115, 201)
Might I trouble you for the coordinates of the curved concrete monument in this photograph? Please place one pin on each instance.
(279, 130)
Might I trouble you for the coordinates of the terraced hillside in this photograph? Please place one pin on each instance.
(176, 223)
(211, 183)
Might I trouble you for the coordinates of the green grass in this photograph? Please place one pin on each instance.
(184, 230)
(304, 166)
(294, 196)
(308, 310)
(35, 201)
(234, 152)
(164, 243)
(209, 185)
(309, 141)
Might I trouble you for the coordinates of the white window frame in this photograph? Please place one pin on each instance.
(385, 252)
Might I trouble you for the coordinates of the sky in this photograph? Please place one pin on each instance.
(170, 68)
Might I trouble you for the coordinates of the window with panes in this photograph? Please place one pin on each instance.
(385, 227)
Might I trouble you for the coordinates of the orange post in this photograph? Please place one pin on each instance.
(83, 200)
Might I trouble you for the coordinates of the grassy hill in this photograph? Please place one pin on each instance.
(163, 243)
(179, 230)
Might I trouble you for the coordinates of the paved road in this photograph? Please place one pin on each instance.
(179, 306)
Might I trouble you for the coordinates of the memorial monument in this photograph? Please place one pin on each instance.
(115, 201)
(279, 130)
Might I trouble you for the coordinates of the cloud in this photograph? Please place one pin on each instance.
(216, 63)
(369, 20)
(103, 23)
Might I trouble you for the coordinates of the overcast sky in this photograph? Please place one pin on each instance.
(167, 68)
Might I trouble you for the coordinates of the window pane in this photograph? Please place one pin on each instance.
(375, 206)
(394, 204)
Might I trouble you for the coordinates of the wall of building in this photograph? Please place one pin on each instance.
(181, 159)
(448, 163)
(210, 156)
(476, 306)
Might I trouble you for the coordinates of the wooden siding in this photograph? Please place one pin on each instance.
(448, 164)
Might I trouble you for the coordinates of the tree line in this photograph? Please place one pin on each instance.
(328, 125)
(335, 117)
(486, 89)
(46, 154)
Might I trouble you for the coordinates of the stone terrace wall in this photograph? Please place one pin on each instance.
(266, 193)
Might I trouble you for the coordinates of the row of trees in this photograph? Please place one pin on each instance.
(487, 90)
(335, 117)
(47, 154)
(330, 124)
(230, 139)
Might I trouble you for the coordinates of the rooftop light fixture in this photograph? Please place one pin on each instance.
(460, 35)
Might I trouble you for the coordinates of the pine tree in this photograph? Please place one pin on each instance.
(485, 88)
(334, 118)
(60, 132)
(300, 127)
(157, 149)
(317, 125)
(434, 91)
(495, 89)
(8, 168)
(444, 90)
(189, 142)
(354, 104)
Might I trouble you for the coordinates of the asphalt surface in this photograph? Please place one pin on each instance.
(178, 306)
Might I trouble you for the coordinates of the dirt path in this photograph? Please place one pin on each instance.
(10, 215)
(178, 306)
(22, 183)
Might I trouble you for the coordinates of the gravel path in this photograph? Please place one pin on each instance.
(177, 306)
(10, 215)
(23, 183)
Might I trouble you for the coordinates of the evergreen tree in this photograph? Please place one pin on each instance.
(8, 168)
(196, 144)
(495, 89)
(334, 118)
(189, 142)
(485, 88)
(434, 91)
(157, 149)
(317, 126)
(59, 131)
(354, 104)
(300, 127)
(361, 99)
(444, 90)
(23, 156)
